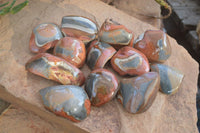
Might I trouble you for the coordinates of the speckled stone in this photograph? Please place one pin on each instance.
(129, 61)
(99, 53)
(72, 50)
(44, 36)
(170, 78)
(154, 44)
(101, 86)
(115, 34)
(68, 101)
(137, 94)
(55, 68)
(79, 27)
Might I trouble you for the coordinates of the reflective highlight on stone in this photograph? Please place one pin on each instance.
(115, 34)
(68, 101)
(79, 27)
(129, 61)
(72, 50)
(101, 86)
(99, 53)
(55, 68)
(137, 94)
(43, 37)
(170, 78)
(154, 44)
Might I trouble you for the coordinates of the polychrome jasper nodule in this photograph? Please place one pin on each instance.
(137, 94)
(72, 50)
(43, 37)
(98, 54)
(68, 101)
(101, 86)
(154, 44)
(115, 34)
(170, 78)
(79, 27)
(129, 61)
(55, 68)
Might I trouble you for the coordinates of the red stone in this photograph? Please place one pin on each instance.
(99, 53)
(55, 68)
(72, 50)
(101, 86)
(115, 34)
(44, 37)
(154, 44)
(129, 61)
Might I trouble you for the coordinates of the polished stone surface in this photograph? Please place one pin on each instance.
(170, 78)
(55, 68)
(72, 50)
(137, 94)
(79, 27)
(68, 101)
(99, 53)
(129, 61)
(101, 86)
(115, 34)
(154, 44)
(43, 37)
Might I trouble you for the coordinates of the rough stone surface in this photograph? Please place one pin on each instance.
(174, 114)
(17, 120)
(3, 105)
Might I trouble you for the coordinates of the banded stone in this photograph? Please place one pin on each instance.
(44, 37)
(129, 61)
(68, 101)
(115, 34)
(99, 53)
(55, 68)
(72, 50)
(79, 27)
(137, 94)
(154, 44)
(170, 78)
(101, 86)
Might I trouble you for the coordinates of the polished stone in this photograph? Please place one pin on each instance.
(68, 101)
(44, 37)
(55, 68)
(154, 44)
(101, 86)
(137, 94)
(129, 61)
(79, 27)
(72, 50)
(115, 34)
(170, 78)
(99, 53)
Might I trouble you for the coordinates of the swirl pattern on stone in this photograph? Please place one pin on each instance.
(55, 68)
(170, 78)
(129, 61)
(115, 34)
(154, 44)
(72, 50)
(44, 37)
(99, 53)
(68, 101)
(79, 27)
(137, 94)
(101, 86)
